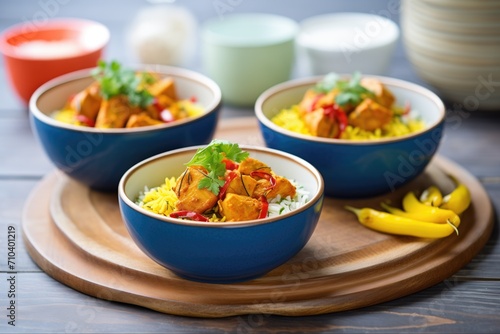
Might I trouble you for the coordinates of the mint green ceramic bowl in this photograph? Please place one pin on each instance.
(248, 53)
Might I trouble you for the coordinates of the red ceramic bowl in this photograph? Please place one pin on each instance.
(34, 53)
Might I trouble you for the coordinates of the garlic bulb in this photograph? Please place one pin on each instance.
(163, 34)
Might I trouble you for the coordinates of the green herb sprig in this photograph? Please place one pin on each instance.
(116, 80)
(351, 92)
(211, 158)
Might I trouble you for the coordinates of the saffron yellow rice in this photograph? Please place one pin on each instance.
(69, 115)
(400, 125)
(161, 200)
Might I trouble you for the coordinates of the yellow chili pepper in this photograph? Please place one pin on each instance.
(420, 211)
(392, 224)
(429, 218)
(459, 199)
(431, 196)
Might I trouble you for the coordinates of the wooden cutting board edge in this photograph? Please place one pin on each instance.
(36, 226)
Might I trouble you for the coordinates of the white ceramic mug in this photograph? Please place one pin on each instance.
(248, 53)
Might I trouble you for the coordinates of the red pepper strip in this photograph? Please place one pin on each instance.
(265, 175)
(230, 165)
(342, 119)
(193, 99)
(335, 112)
(315, 101)
(191, 215)
(223, 189)
(85, 120)
(265, 207)
(329, 111)
(157, 105)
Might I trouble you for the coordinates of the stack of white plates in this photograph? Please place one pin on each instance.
(454, 45)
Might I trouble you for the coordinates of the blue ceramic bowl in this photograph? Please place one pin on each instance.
(219, 252)
(99, 157)
(356, 169)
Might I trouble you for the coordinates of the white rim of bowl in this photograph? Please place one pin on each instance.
(210, 36)
(311, 21)
(59, 23)
(162, 69)
(312, 201)
(311, 81)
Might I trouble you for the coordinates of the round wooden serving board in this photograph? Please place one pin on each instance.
(78, 237)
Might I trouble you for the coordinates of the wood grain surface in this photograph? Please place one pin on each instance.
(78, 237)
(467, 302)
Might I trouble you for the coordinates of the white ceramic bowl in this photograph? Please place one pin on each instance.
(454, 46)
(347, 42)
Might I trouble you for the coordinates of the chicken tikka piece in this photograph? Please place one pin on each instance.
(246, 191)
(191, 197)
(123, 98)
(364, 103)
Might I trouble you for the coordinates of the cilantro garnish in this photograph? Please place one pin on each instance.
(328, 83)
(116, 80)
(211, 158)
(350, 92)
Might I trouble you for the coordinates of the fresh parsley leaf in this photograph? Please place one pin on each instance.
(116, 80)
(211, 158)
